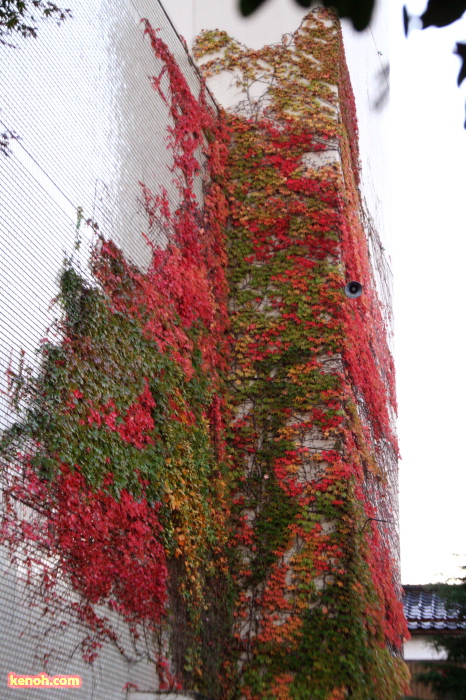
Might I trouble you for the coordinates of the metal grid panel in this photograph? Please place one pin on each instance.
(90, 128)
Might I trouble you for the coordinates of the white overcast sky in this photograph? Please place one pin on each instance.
(428, 158)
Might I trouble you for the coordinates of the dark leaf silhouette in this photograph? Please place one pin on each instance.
(358, 11)
(438, 13)
(461, 52)
(247, 7)
(441, 13)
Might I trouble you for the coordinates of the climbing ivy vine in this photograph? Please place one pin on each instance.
(318, 612)
(120, 447)
(205, 448)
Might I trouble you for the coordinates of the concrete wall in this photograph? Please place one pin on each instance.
(367, 57)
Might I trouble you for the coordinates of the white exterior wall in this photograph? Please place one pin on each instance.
(367, 59)
(142, 695)
(366, 54)
(418, 649)
(90, 127)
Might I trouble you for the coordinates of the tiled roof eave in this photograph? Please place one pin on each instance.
(419, 632)
(426, 613)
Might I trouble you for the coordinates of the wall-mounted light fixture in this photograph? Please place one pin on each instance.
(353, 290)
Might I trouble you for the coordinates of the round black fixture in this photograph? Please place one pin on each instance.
(353, 290)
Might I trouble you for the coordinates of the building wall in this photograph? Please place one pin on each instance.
(367, 58)
(367, 55)
(418, 648)
(294, 148)
(90, 129)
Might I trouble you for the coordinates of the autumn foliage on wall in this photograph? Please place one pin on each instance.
(318, 612)
(119, 452)
(206, 447)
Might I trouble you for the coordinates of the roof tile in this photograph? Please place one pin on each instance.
(425, 610)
